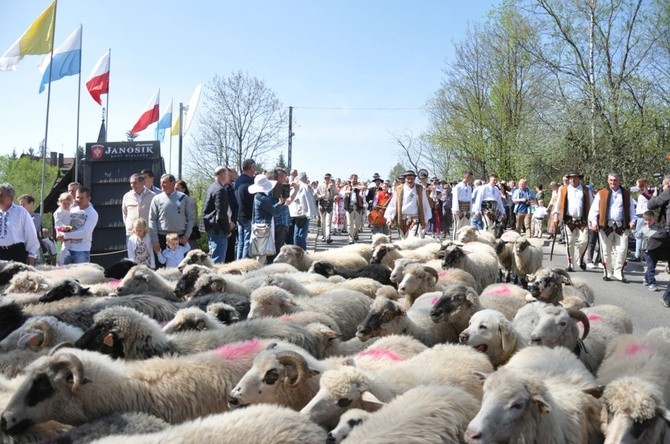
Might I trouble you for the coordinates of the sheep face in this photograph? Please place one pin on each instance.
(510, 401)
(489, 331)
(323, 268)
(521, 245)
(271, 305)
(399, 269)
(271, 372)
(290, 254)
(135, 281)
(64, 289)
(348, 421)
(452, 299)
(50, 384)
(103, 338)
(209, 283)
(189, 319)
(196, 256)
(225, 313)
(467, 234)
(119, 269)
(557, 326)
(9, 269)
(633, 412)
(547, 285)
(186, 283)
(380, 320)
(378, 254)
(453, 255)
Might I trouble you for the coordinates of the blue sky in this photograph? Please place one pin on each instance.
(326, 59)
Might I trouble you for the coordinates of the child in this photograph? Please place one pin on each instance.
(139, 244)
(49, 247)
(174, 253)
(62, 222)
(539, 215)
(650, 227)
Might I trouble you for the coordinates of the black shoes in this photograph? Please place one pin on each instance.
(582, 265)
(607, 278)
(329, 241)
(569, 268)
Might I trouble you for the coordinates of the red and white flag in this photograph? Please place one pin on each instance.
(149, 116)
(98, 84)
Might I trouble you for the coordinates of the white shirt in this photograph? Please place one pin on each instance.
(491, 193)
(615, 206)
(83, 222)
(575, 197)
(462, 192)
(409, 204)
(16, 226)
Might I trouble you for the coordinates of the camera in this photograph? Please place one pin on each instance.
(285, 191)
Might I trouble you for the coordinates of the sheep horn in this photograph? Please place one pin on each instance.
(432, 272)
(60, 345)
(562, 272)
(46, 331)
(287, 357)
(580, 316)
(74, 365)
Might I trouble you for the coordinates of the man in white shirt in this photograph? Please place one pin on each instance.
(461, 202)
(136, 202)
(83, 219)
(18, 237)
(572, 209)
(611, 215)
(488, 205)
(409, 207)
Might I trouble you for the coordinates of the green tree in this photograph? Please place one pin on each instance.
(25, 175)
(396, 171)
(281, 163)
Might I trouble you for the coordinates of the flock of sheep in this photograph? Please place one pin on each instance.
(415, 341)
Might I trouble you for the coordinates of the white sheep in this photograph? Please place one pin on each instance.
(192, 318)
(538, 397)
(343, 259)
(349, 419)
(351, 387)
(76, 386)
(143, 280)
(40, 332)
(491, 333)
(478, 259)
(553, 285)
(347, 308)
(214, 283)
(225, 313)
(259, 424)
(436, 414)
(388, 254)
(527, 259)
(505, 252)
(199, 257)
(472, 234)
(86, 273)
(505, 298)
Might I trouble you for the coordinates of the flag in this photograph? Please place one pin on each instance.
(190, 110)
(65, 61)
(164, 123)
(38, 39)
(149, 116)
(102, 134)
(98, 84)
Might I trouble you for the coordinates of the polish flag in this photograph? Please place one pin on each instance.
(149, 116)
(98, 84)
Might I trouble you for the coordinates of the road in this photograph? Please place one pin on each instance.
(644, 306)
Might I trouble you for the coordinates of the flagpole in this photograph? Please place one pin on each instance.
(108, 82)
(170, 163)
(46, 123)
(76, 147)
(181, 134)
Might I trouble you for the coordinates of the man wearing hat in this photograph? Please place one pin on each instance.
(488, 205)
(409, 207)
(354, 205)
(572, 209)
(217, 215)
(460, 202)
(325, 195)
(611, 215)
(372, 190)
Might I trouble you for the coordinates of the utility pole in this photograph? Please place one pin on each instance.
(290, 136)
(181, 135)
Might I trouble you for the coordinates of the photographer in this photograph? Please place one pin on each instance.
(660, 199)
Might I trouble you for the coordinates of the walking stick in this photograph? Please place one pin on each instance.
(553, 243)
(316, 238)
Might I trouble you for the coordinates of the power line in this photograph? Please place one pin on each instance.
(359, 109)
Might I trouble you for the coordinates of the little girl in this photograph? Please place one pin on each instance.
(62, 222)
(139, 245)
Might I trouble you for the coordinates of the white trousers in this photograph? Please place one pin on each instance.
(353, 223)
(464, 221)
(576, 240)
(326, 223)
(613, 250)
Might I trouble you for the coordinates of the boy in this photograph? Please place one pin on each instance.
(539, 214)
(173, 253)
(649, 228)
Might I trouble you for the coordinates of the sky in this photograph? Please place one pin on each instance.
(356, 71)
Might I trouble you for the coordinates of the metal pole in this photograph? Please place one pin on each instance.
(46, 123)
(181, 135)
(76, 145)
(290, 136)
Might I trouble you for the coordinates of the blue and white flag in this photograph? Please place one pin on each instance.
(164, 123)
(66, 60)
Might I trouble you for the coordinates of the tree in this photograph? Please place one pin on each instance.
(25, 175)
(396, 171)
(242, 118)
(281, 163)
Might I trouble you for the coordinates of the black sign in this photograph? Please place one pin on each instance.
(100, 152)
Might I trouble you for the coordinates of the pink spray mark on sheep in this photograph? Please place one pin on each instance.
(239, 350)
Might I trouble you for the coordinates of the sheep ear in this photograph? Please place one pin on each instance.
(596, 392)
(85, 290)
(43, 286)
(218, 286)
(286, 299)
(530, 298)
(330, 333)
(664, 413)
(541, 404)
(507, 336)
(32, 340)
(369, 397)
(201, 325)
(481, 375)
(349, 362)
(471, 295)
(108, 340)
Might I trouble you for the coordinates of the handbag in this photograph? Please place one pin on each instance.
(262, 242)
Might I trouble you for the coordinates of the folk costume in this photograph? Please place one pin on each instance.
(460, 205)
(572, 208)
(325, 198)
(409, 209)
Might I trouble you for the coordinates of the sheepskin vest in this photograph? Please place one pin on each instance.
(604, 207)
(563, 199)
(398, 212)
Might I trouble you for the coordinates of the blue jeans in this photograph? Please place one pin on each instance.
(300, 230)
(218, 244)
(243, 238)
(650, 274)
(477, 223)
(77, 257)
(638, 241)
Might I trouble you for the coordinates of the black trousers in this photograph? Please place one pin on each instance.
(15, 252)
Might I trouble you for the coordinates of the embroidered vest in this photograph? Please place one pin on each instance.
(604, 207)
(563, 199)
(398, 213)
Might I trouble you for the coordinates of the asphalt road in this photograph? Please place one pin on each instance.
(644, 306)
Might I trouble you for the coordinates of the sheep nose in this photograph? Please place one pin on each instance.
(473, 435)
(463, 338)
(535, 340)
(3, 424)
(330, 439)
(232, 401)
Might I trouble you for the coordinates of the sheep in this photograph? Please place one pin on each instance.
(300, 259)
(527, 259)
(192, 318)
(68, 287)
(505, 252)
(213, 283)
(239, 304)
(390, 317)
(491, 333)
(9, 268)
(349, 419)
(40, 332)
(347, 308)
(126, 423)
(454, 307)
(472, 234)
(125, 333)
(78, 386)
(259, 424)
(28, 281)
(529, 400)
(199, 257)
(225, 313)
(289, 283)
(553, 285)
(387, 254)
(143, 280)
(119, 269)
(87, 273)
(505, 298)
(11, 318)
(409, 243)
(351, 387)
(417, 280)
(635, 376)
(377, 272)
(477, 259)
(189, 275)
(436, 414)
